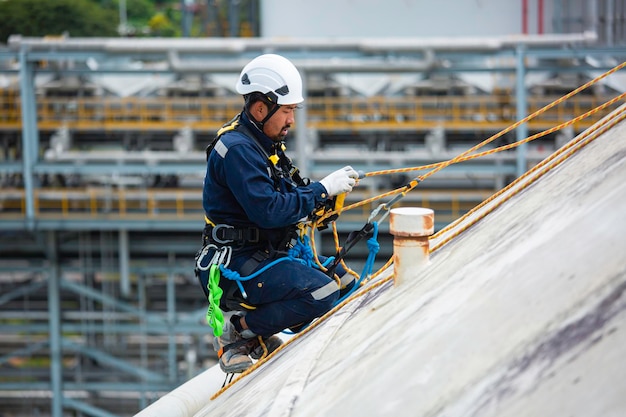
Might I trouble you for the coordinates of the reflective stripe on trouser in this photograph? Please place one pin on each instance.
(346, 280)
(325, 291)
(287, 294)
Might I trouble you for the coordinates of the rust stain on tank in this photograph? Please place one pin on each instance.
(404, 233)
(397, 264)
(405, 241)
(429, 223)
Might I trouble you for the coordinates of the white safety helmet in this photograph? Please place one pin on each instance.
(273, 75)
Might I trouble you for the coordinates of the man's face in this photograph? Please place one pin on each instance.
(277, 127)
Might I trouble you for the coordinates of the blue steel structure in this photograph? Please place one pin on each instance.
(129, 303)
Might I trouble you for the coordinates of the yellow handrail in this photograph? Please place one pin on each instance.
(324, 113)
(106, 203)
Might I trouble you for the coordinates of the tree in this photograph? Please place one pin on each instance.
(138, 13)
(44, 17)
(160, 25)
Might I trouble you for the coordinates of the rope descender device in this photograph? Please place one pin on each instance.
(371, 225)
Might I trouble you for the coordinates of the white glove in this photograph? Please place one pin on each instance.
(340, 181)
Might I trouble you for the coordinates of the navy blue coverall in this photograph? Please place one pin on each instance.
(240, 191)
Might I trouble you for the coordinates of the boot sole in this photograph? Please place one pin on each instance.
(235, 369)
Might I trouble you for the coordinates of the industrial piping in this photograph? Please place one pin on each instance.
(410, 227)
(184, 401)
(239, 45)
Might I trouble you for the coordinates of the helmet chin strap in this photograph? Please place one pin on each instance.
(271, 112)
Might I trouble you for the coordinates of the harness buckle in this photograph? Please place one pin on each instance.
(219, 227)
(254, 235)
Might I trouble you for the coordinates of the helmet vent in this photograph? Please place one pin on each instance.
(283, 91)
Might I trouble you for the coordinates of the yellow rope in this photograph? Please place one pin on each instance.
(338, 248)
(504, 147)
(525, 119)
(461, 157)
(465, 158)
(541, 168)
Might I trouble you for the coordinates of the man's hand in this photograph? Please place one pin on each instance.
(340, 181)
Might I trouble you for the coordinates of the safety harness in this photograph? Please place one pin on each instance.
(279, 164)
(217, 239)
(221, 239)
(281, 169)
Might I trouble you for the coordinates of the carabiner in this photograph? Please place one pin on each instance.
(203, 253)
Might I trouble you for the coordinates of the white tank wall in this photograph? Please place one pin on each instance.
(521, 315)
(405, 18)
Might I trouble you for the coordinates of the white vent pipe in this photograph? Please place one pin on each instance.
(410, 227)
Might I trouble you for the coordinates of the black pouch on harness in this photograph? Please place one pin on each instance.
(232, 300)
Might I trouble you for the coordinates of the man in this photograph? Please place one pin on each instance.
(253, 197)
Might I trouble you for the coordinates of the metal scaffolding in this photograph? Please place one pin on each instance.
(115, 312)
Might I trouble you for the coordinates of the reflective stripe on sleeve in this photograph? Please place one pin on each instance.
(221, 149)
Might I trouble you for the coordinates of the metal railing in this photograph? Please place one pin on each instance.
(105, 202)
(186, 204)
(324, 113)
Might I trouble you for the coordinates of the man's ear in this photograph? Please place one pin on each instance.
(258, 110)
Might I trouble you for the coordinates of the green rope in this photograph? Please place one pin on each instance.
(214, 315)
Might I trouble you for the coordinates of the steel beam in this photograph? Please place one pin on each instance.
(109, 360)
(171, 322)
(522, 105)
(108, 300)
(302, 139)
(121, 328)
(21, 291)
(86, 408)
(124, 258)
(26, 351)
(30, 135)
(54, 311)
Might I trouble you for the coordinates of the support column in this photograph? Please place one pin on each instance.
(609, 19)
(171, 320)
(30, 134)
(124, 263)
(186, 17)
(233, 18)
(54, 320)
(302, 138)
(522, 110)
(410, 227)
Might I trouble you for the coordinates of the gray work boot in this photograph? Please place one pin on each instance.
(271, 343)
(232, 350)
